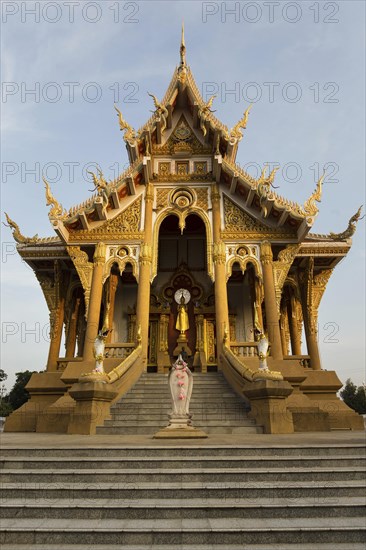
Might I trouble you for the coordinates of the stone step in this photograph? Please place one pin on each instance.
(196, 450)
(151, 430)
(304, 492)
(180, 531)
(116, 462)
(304, 546)
(163, 418)
(182, 475)
(175, 509)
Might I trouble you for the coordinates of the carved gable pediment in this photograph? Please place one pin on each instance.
(183, 141)
(240, 224)
(125, 225)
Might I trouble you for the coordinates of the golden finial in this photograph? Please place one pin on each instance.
(17, 235)
(57, 212)
(182, 48)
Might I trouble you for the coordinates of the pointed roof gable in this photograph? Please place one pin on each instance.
(183, 110)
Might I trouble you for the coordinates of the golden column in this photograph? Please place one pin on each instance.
(71, 337)
(145, 259)
(113, 284)
(219, 258)
(293, 321)
(56, 335)
(94, 301)
(270, 303)
(309, 313)
(283, 319)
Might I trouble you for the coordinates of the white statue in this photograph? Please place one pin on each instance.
(263, 352)
(99, 345)
(181, 385)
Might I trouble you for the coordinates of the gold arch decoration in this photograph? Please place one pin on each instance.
(182, 215)
(243, 261)
(121, 262)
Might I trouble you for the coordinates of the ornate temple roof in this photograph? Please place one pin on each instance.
(158, 138)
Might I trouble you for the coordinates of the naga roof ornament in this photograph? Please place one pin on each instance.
(17, 234)
(130, 135)
(57, 212)
(349, 232)
(160, 113)
(235, 134)
(310, 207)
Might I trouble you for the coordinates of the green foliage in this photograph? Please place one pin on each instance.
(18, 394)
(5, 408)
(354, 397)
(3, 375)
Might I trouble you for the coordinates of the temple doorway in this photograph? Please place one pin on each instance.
(179, 291)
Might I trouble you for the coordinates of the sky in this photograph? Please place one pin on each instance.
(64, 65)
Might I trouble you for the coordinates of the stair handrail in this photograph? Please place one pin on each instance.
(126, 363)
(242, 369)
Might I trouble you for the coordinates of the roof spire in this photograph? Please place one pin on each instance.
(182, 49)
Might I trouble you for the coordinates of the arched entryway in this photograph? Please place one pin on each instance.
(182, 265)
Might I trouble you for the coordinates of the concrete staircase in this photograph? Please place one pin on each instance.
(192, 497)
(214, 406)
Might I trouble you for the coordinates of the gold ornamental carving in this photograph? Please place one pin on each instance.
(202, 197)
(160, 113)
(125, 225)
(313, 286)
(145, 256)
(17, 234)
(349, 232)
(130, 135)
(181, 141)
(266, 253)
(235, 134)
(162, 196)
(281, 267)
(310, 206)
(84, 269)
(219, 252)
(57, 212)
(239, 224)
(204, 113)
(51, 291)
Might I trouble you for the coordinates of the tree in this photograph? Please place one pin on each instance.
(18, 394)
(5, 407)
(354, 397)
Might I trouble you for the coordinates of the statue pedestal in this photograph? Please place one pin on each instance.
(182, 345)
(180, 428)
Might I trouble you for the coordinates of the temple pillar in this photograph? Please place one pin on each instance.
(270, 303)
(295, 335)
(309, 313)
(219, 258)
(71, 337)
(163, 355)
(284, 344)
(56, 335)
(311, 335)
(113, 284)
(145, 260)
(94, 301)
(199, 359)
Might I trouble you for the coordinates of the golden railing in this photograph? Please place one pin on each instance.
(244, 349)
(119, 350)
